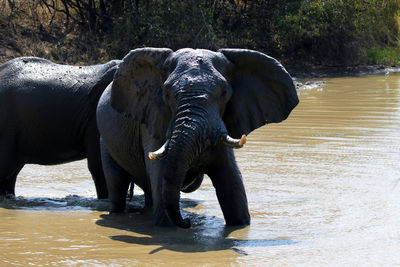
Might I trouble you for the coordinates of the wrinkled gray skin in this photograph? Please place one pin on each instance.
(191, 99)
(48, 116)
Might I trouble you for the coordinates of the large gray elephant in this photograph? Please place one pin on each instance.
(170, 117)
(48, 116)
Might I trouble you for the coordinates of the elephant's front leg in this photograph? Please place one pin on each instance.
(227, 180)
(117, 180)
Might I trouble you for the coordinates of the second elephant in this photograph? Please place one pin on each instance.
(48, 116)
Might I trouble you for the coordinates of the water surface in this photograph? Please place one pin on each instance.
(323, 189)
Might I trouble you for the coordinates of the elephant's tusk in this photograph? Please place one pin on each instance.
(234, 143)
(160, 153)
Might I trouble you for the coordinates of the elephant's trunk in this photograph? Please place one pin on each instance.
(196, 127)
(183, 147)
(191, 134)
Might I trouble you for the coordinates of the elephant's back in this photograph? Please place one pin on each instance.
(40, 91)
(46, 107)
(39, 85)
(37, 72)
(37, 81)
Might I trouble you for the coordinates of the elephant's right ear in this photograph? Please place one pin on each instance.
(263, 91)
(137, 88)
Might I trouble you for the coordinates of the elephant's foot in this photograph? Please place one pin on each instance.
(243, 221)
(118, 209)
(4, 196)
(7, 191)
(102, 193)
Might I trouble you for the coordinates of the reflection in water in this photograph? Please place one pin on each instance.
(323, 189)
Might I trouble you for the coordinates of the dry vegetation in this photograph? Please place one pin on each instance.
(327, 32)
(30, 28)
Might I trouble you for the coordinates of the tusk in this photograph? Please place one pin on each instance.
(160, 153)
(234, 143)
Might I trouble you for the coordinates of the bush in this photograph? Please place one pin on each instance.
(336, 31)
(328, 32)
(385, 56)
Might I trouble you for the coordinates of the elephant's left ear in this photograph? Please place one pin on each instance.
(263, 91)
(137, 88)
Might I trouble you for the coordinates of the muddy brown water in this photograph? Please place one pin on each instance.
(323, 189)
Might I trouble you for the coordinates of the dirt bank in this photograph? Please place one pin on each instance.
(309, 72)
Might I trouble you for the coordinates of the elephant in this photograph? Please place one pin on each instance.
(48, 117)
(171, 117)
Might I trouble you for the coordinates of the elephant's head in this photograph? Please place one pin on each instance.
(197, 99)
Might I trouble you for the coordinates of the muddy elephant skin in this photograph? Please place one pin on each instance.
(48, 116)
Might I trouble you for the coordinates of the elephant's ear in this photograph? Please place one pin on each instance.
(263, 91)
(137, 88)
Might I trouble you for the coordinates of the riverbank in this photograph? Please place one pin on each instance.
(308, 77)
(328, 32)
(309, 71)
(315, 71)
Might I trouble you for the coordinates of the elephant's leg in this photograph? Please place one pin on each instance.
(148, 202)
(9, 166)
(94, 162)
(7, 185)
(227, 180)
(131, 190)
(117, 179)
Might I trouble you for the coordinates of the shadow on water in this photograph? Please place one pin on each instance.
(207, 233)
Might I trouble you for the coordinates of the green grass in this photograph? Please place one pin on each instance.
(385, 56)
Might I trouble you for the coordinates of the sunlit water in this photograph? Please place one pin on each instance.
(323, 189)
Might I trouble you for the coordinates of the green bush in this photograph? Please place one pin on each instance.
(336, 31)
(385, 56)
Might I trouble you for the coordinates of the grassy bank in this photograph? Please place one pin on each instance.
(389, 56)
(316, 32)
